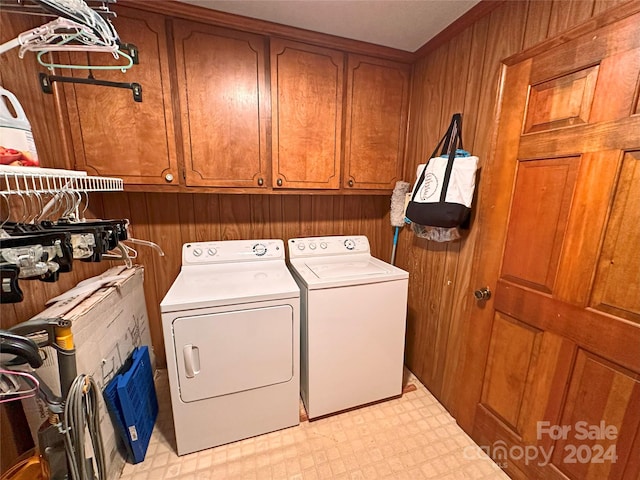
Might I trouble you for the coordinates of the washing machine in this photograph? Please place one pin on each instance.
(231, 324)
(352, 319)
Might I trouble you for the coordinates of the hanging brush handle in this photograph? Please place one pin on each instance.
(395, 245)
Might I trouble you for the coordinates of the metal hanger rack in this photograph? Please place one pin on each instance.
(26, 180)
(34, 7)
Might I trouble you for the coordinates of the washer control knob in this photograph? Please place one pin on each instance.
(197, 252)
(349, 244)
(312, 246)
(301, 246)
(212, 251)
(259, 249)
(323, 245)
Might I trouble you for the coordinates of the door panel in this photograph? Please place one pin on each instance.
(617, 285)
(512, 346)
(539, 213)
(561, 102)
(603, 407)
(618, 75)
(596, 180)
(562, 212)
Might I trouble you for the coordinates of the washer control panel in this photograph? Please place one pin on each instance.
(318, 246)
(203, 253)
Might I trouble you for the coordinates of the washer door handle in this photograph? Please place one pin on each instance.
(191, 355)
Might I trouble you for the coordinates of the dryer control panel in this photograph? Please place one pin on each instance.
(320, 246)
(204, 253)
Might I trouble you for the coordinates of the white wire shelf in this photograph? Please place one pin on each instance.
(25, 180)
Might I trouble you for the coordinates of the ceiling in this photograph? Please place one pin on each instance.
(402, 24)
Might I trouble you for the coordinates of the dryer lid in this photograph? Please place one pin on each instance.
(229, 284)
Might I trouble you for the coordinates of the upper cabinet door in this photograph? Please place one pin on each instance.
(113, 135)
(306, 96)
(224, 105)
(377, 104)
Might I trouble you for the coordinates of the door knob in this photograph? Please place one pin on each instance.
(482, 294)
(168, 177)
(279, 182)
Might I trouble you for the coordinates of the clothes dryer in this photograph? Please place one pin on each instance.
(231, 325)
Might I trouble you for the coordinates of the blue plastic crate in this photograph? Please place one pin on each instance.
(131, 397)
(110, 394)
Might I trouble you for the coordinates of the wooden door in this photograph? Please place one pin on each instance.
(224, 105)
(552, 365)
(376, 122)
(306, 97)
(112, 134)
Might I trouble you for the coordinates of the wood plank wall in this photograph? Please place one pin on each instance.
(171, 219)
(462, 75)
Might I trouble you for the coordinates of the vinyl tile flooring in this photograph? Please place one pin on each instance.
(412, 437)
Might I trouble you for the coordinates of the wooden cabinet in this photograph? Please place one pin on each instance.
(248, 115)
(113, 135)
(224, 105)
(376, 122)
(307, 100)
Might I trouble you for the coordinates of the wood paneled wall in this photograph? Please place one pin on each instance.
(174, 219)
(463, 76)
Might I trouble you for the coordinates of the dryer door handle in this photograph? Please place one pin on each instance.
(191, 355)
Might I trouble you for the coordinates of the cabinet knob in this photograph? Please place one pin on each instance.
(168, 177)
(260, 181)
(351, 183)
(279, 182)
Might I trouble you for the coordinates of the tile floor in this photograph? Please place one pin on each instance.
(412, 437)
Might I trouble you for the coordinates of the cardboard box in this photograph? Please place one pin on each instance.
(107, 324)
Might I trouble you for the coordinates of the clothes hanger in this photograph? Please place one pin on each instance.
(117, 54)
(146, 243)
(80, 13)
(124, 254)
(4, 221)
(16, 393)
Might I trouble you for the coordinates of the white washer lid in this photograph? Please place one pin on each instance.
(344, 270)
(229, 284)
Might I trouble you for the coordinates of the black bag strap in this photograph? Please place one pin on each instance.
(455, 142)
(449, 142)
